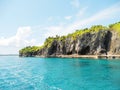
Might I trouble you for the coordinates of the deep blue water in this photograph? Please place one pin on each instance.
(58, 74)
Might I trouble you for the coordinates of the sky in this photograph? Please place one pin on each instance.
(29, 22)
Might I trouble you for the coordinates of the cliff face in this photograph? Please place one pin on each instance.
(115, 44)
(102, 42)
(88, 44)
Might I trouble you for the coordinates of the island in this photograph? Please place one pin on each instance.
(95, 42)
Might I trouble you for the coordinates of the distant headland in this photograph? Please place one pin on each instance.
(9, 55)
(95, 42)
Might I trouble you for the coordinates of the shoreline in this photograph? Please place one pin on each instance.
(83, 56)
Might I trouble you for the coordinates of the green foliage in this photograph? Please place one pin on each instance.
(115, 27)
(62, 38)
(97, 28)
(93, 29)
(29, 49)
(49, 41)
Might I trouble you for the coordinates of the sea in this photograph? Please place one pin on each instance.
(33, 73)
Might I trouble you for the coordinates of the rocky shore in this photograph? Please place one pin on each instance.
(91, 56)
(81, 56)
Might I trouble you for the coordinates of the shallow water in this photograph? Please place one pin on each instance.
(58, 74)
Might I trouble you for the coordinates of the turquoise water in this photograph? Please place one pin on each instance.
(58, 74)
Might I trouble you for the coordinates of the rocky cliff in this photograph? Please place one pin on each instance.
(98, 40)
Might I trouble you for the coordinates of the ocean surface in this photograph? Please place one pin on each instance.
(58, 74)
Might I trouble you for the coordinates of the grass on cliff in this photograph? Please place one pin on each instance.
(77, 33)
(93, 29)
(115, 27)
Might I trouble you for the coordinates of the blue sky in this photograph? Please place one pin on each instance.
(29, 22)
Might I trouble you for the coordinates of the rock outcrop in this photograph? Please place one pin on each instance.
(88, 44)
(102, 42)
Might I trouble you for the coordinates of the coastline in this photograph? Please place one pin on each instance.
(95, 42)
(83, 56)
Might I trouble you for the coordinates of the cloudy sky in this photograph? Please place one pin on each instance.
(29, 22)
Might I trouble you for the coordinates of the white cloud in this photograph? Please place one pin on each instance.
(81, 12)
(75, 3)
(21, 39)
(23, 32)
(53, 31)
(68, 17)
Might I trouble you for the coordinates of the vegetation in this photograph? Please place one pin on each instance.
(49, 41)
(93, 29)
(30, 49)
(115, 27)
(77, 33)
